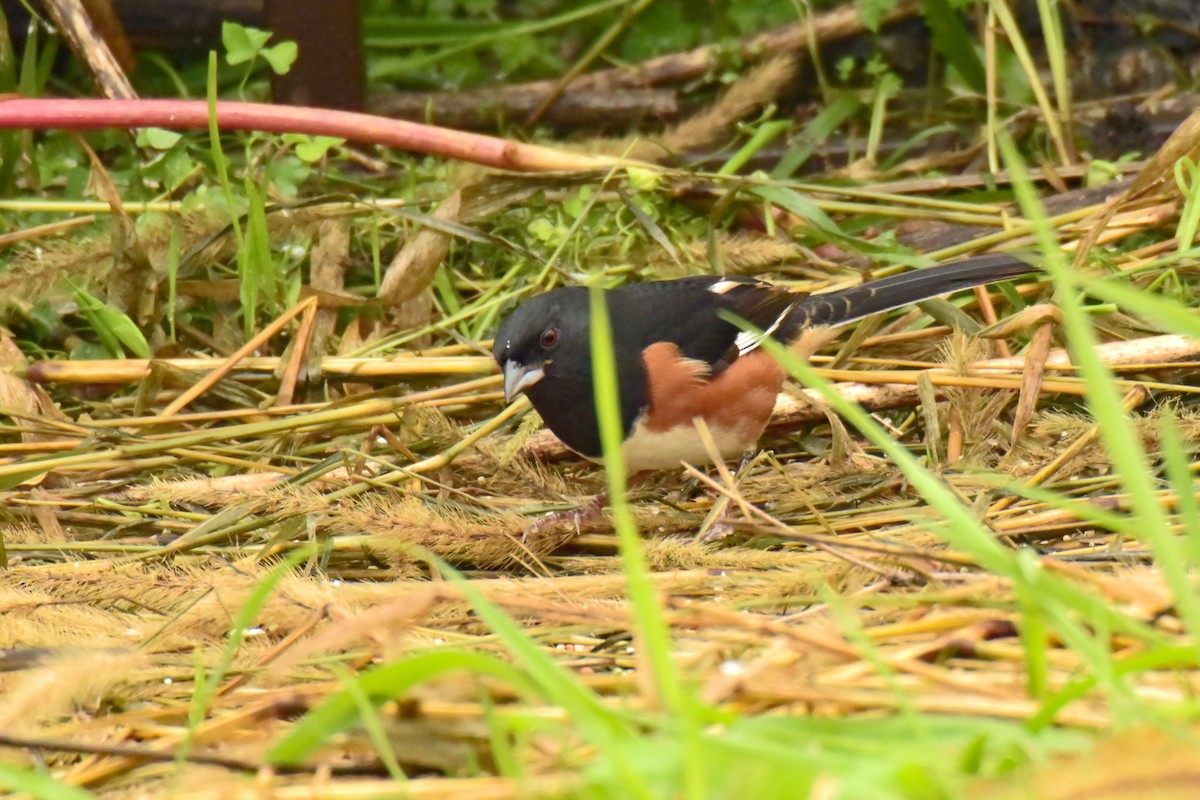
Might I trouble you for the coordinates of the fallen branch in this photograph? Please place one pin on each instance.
(829, 26)
(482, 108)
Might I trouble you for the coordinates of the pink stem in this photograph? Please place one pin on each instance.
(91, 114)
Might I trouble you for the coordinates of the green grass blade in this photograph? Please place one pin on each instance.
(799, 205)
(38, 785)
(762, 136)
(1120, 438)
(1060, 601)
(371, 721)
(605, 729)
(840, 108)
(206, 689)
(652, 628)
(385, 683)
(1165, 312)
(1177, 558)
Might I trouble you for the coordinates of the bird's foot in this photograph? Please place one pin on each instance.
(577, 517)
(724, 527)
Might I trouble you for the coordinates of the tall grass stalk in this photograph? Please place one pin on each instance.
(650, 623)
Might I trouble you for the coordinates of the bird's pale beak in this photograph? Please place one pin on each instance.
(519, 377)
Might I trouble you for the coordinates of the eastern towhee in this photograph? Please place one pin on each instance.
(679, 357)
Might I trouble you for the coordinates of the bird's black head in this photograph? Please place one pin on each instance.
(544, 349)
(545, 341)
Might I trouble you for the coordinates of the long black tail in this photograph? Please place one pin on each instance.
(847, 305)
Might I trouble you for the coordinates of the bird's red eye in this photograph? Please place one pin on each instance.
(549, 338)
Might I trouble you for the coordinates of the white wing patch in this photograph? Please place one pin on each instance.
(721, 287)
(747, 341)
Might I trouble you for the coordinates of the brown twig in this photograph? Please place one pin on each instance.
(91, 48)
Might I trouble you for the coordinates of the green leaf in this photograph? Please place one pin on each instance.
(281, 56)
(872, 12)
(579, 202)
(242, 43)
(953, 43)
(90, 351)
(287, 173)
(544, 229)
(111, 325)
(312, 148)
(643, 180)
(683, 705)
(517, 52)
(157, 138)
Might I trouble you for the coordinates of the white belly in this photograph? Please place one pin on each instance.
(645, 450)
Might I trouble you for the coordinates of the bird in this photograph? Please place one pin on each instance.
(681, 356)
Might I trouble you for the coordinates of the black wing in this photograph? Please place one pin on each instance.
(687, 312)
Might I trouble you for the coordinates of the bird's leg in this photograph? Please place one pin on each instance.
(719, 522)
(590, 511)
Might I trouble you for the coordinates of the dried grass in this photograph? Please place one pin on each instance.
(133, 541)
